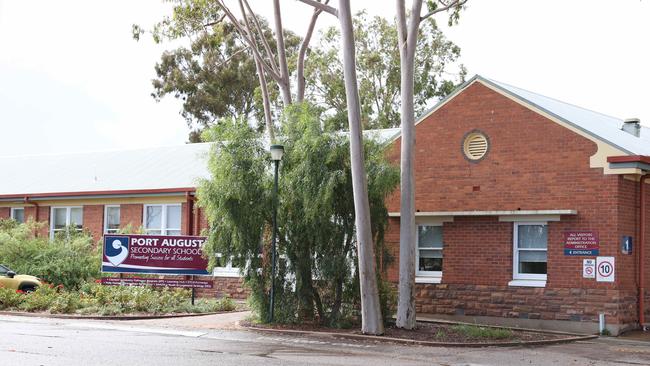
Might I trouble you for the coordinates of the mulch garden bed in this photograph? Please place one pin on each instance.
(435, 332)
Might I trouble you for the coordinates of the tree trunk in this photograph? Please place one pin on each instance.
(407, 236)
(371, 319)
(285, 88)
(265, 101)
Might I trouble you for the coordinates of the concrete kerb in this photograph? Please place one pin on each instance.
(531, 330)
(109, 317)
(569, 338)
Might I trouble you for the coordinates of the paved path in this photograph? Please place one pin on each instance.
(52, 342)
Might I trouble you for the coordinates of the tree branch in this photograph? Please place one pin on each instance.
(324, 7)
(266, 45)
(285, 87)
(455, 3)
(300, 94)
(215, 22)
(243, 34)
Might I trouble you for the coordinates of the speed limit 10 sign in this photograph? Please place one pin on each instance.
(605, 269)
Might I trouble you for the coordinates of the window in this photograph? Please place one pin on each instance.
(530, 244)
(162, 219)
(63, 217)
(18, 214)
(429, 252)
(111, 219)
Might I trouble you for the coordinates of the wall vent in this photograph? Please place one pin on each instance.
(475, 145)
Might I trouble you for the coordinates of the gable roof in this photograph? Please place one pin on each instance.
(598, 125)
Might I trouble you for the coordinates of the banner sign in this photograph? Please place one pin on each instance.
(581, 243)
(179, 255)
(155, 282)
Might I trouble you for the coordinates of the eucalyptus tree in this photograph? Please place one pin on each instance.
(372, 320)
(436, 71)
(408, 29)
(249, 33)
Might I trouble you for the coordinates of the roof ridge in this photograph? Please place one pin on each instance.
(551, 98)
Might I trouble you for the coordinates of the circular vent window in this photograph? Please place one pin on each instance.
(475, 145)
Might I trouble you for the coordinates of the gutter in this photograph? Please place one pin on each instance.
(97, 194)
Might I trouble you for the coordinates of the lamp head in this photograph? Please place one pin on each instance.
(276, 152)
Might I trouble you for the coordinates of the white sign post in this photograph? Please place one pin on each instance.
(589, 268)
(605, 269)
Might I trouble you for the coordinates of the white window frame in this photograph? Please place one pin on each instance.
(13, 212)
(527, 279)
(67, 218)
(106, 229)
(163, 225)
(426, 276)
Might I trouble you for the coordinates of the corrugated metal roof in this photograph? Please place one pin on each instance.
(151, 168)
(599, 125)
(122, 170)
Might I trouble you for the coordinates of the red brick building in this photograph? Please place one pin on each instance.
(506, 181)
(147, 189)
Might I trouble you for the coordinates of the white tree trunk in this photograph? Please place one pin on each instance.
(285, 88)
(371, 318)
(265, 101)
(407, 35)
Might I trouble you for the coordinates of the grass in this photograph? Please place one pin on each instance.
(476, 332)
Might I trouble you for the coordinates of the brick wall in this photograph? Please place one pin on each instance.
(131, 214)
(575, 304)
(93, 218)
(232, 287)
(533, 164)
(5, 212)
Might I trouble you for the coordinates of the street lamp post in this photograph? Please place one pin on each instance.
(276, 155)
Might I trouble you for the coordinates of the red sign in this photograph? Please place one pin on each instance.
(155, 282)
(181, 255)
(581, 243)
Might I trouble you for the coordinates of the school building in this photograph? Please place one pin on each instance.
(530, 211)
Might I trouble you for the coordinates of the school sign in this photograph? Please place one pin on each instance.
(175, 255)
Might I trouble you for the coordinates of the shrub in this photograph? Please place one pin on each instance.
(70, 259)
(10, 298)
(473, 331)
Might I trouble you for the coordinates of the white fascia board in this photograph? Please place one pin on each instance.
(489, 213)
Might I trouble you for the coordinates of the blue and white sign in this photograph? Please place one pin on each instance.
(626, 245)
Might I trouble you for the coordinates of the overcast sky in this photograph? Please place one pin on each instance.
(72, 78)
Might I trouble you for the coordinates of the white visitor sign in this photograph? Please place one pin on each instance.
(605, 269)
(589, 268)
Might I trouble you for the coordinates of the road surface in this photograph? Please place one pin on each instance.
(29, 341)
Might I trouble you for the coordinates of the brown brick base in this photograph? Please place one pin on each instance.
(572, 304)
(232, 287)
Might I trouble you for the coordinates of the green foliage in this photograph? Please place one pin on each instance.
(215, 77)
(93, 298)
(477, 332)
(317, 276)
(437, 71)
(70, 259)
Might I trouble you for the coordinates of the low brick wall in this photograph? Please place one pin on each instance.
(232, 287)
(573, 304)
